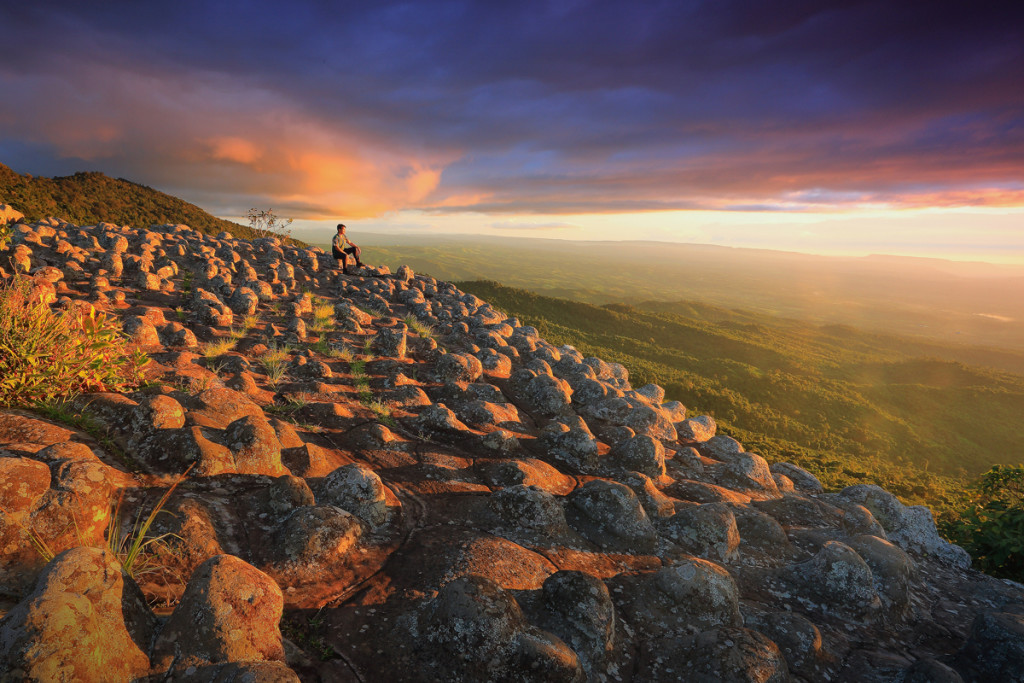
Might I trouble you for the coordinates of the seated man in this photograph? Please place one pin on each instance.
(341, 252)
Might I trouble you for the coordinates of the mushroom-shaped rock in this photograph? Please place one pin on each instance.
(803, 480)
(911, 528)
(254, 445)
(578, 609)
(797, 638)
(317, 535)
(641, 453)
(691, 596)
(458, 367)
(700, 428)
(530, 509)
(738, 655)
(837, 579)
(574, 447)
(86, 620)
(391, 342)
(357, 489)
(229, 612)
(610, 515)
(706, 530)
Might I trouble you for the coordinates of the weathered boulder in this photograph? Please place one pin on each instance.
(86, 620)
(357, 489)
(610, 515)
(229, 612)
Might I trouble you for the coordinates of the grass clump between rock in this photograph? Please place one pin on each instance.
(47, 355)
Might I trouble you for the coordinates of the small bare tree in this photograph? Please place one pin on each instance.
(268, 221)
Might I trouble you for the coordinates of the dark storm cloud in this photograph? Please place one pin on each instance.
(520, 106)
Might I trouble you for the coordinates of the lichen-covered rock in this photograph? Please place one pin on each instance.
(254, 446)
(700, 428)
(892, 569)
(995, 648)
(357, 489)
(708, 531)
(530, 509)
(141, 331)
(836, 579)
(610, 515)
(22, 482)
(798, 639)
(578, 609)
(391, 342)
(911, 528)
(473, 630)
(458, 367)
(317, 535)
(86, 620)
(688, 597)
(802, 479)
(439, 417)
(574, 447)
(737, 655)
(229, 612)
(641, 453)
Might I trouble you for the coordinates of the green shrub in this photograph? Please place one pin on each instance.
(47, 355)
(991, 528)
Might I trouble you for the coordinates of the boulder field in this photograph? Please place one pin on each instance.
(378, 476)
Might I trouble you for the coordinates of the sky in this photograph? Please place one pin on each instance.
(829, 127)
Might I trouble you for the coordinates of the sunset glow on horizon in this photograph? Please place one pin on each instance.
(850, 128)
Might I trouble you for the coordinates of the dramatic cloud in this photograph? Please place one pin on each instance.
(551, 107)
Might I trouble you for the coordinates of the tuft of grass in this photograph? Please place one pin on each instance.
(274, 354)
(419, 328)
(341, 352)
(276, 370)
(250, 321)
(133, 549)
(236, 333)
(47, 355)
(180, 313)
(217, 348)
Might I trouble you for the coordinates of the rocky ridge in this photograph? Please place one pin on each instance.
(386, 478)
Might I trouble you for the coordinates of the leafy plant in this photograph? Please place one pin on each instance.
(46, 355)
(5, 235)
(991, 528)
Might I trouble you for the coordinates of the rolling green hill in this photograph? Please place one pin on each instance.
(850, 406)
(90, 198)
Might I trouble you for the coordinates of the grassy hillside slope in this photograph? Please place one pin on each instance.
(90, 198)
(851, 406)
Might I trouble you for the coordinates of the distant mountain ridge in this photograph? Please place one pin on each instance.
(88, 198)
